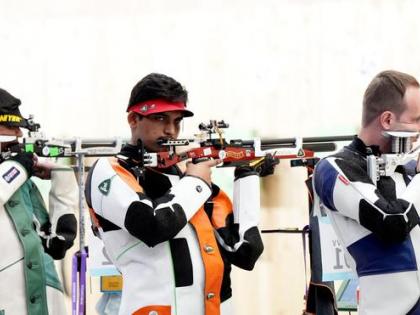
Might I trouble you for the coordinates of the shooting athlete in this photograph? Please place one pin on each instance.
(172, 235)
(378, 221)
(31, 237)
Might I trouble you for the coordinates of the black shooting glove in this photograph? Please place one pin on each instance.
(267, 166)
(26, 160)
(263, 168)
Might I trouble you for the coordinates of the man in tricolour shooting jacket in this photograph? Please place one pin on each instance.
(172, 234)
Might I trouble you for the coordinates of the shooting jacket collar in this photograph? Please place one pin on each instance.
(358, 146)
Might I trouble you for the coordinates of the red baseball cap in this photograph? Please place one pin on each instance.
(149, 107)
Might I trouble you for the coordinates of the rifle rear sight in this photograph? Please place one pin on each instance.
(31, 125)
(213, 126)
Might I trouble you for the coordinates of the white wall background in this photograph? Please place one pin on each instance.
(276, 67)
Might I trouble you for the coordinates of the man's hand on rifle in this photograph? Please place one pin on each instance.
(202, 169)
(262, 168)
(42, 168)
(33, 165)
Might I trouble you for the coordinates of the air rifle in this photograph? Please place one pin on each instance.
(209, 143)
(212, 144)
(37, 143)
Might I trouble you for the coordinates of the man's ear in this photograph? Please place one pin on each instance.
(132, 119)
(387, 120)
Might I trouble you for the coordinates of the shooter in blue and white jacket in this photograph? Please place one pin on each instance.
(378, 224)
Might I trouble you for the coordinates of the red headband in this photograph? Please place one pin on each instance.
(159, 106)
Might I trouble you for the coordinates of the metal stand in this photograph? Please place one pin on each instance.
(78, 289)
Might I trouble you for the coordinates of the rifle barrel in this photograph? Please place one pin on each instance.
(91, 143)
(291, 142)
(315, 144)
